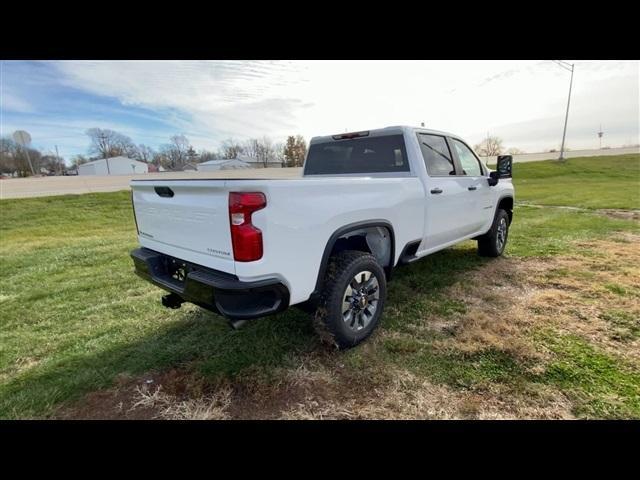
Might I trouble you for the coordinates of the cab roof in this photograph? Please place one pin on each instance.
(396, 129)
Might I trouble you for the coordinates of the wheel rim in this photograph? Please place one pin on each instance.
(360, 300)
(501, 237)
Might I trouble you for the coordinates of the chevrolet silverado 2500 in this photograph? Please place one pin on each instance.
(326, 241)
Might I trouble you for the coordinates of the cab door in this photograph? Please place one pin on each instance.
(446, 195)
(473, 177)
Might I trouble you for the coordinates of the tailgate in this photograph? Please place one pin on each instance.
(185, 219)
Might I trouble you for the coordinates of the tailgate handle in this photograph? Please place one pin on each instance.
(164, 192)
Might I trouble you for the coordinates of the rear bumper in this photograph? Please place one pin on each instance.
(217, 291)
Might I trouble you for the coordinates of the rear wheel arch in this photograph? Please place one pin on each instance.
(371, 236)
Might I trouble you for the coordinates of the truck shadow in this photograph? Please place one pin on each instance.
(201, 342)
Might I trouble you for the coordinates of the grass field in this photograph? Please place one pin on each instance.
(551, 330)
(590, 182)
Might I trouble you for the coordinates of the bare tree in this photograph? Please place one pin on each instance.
(52, 163)
(251, 148)
(8, 151)
(206, 155)
(489, 147)
(160, 160)
(231, 149)
(107, 143)
(14, 159)
(263, 150)
(278, 154)
(176, 152)
(192, 155)
(144, 153)
(78, 160)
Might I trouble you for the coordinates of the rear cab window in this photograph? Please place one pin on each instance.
(375, 154)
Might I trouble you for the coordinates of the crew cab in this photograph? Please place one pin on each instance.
(326, 240)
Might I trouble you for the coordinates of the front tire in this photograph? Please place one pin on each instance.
(492, 243)
(352, 298)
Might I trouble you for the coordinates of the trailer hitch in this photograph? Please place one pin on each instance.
(172, 301)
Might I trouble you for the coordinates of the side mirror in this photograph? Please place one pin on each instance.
(505, 163)
(493, 178)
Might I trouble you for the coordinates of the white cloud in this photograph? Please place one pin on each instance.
(14, 103)
(523, 100)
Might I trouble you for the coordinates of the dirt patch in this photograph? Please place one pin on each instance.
(112, 404)
(594, 294)
(624, 214)
(608, 212)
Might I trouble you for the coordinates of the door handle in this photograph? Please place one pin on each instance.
(473, 188)
(435, 191)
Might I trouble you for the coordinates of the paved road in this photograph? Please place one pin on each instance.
(535, 157)
(46, 186)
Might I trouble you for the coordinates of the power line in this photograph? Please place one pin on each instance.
(567, 66)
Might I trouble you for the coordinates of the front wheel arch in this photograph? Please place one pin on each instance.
(505, 203)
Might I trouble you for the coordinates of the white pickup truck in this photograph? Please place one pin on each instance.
(326, 241)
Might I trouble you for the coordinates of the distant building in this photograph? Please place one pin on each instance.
(113, 166)
(227, 164)
(155, 168)
(255, 163)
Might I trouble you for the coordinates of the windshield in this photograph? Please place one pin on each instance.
(358, 155)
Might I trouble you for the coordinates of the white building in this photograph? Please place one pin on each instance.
(255, 163)
(228, 164)
(113, 166)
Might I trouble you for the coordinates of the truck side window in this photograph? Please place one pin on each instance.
(436, 154)
(470, 164)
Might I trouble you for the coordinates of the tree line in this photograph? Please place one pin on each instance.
(173, 155)
(14, 158)
(178, 152)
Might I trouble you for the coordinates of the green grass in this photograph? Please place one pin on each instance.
(602, 386)
(73, 316)
(589, 182)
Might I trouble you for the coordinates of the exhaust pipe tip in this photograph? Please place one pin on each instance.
(237, 324)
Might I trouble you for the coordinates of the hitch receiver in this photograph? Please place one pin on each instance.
(172, 301)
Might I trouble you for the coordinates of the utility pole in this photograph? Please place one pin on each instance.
(566, 66)
(26, 150)
(600, 133)
(58, 158)
(23, 139)
(103, 137)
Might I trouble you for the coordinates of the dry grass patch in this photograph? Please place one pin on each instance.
(211, 407)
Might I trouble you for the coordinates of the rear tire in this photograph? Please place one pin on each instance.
(352, 298)
(493, 243)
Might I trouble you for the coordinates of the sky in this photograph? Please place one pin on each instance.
(523, 102)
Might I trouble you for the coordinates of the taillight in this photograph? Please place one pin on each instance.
(246, 239)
